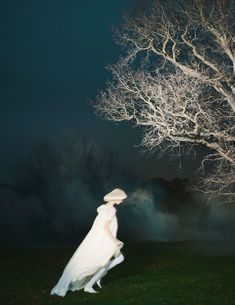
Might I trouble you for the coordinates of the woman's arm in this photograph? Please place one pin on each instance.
(108, 231)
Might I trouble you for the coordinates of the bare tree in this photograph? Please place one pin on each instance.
(183, 92)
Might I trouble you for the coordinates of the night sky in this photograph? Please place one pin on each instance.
(54, 56)
(53, 59)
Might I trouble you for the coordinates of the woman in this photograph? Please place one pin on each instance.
(92, 259)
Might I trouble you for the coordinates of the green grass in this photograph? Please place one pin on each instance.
(152, 273)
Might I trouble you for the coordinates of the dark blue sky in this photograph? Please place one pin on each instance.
(53, 59)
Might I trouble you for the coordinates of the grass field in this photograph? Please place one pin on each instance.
(152, 273)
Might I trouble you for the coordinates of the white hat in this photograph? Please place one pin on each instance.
(116, 194)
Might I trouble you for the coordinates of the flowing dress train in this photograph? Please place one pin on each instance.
(94, 252)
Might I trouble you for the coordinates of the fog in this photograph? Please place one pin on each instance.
(58, 189)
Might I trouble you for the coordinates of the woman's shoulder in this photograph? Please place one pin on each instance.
(105, 207)
(101, 208)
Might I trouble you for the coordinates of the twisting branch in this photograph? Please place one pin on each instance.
(184, 91)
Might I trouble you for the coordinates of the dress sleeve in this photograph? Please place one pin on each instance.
(100, 209)
(107, 212)
(110, 213)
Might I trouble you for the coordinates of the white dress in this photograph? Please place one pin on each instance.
(94, 252)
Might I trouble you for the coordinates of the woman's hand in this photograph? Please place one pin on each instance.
(119, 243)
